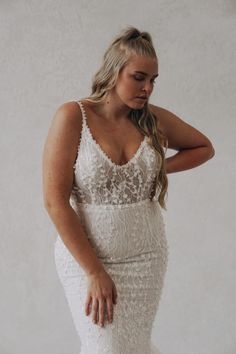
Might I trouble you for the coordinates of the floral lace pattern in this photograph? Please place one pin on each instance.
(127, 232)
(99, 180)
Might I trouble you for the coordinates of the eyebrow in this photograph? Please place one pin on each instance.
(141, 72)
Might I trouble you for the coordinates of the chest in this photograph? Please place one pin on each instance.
(119, 142)
(98, 179)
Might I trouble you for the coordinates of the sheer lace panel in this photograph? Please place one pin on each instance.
(98, 180)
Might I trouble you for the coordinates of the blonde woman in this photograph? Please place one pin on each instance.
(105, 182)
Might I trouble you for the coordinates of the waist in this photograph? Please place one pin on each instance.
(117, 206)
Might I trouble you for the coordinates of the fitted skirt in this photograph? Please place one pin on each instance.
(130, 240)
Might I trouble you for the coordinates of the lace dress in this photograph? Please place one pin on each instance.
(127, 231)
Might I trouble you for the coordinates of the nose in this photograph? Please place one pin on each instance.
(148, 87)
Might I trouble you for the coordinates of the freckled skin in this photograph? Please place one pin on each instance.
(130, 84)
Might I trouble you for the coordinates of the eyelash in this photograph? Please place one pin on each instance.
(140, 79)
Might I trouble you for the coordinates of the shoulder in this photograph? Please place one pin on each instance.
(64, 132)
(67, 120)
(165, 118)
(159, 113)
(69, 113)
(180, 134)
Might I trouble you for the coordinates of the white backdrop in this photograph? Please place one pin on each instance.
(49, 53)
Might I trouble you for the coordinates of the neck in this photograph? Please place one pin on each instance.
(113, 109)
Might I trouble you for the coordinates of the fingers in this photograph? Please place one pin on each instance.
(109, 309)
(99, 308)
(101, 312)
(101, 296)
(114, 294)
(88, 305)
(95, 310)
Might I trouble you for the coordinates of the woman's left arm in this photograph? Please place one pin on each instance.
(194, 148)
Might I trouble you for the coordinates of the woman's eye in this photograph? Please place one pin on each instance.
(138, 78)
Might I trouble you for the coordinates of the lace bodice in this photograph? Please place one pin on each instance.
(98, 180)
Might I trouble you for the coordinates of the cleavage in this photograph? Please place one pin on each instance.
(116, 146)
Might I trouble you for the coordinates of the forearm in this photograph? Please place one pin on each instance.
(188, 158)
(73, 235)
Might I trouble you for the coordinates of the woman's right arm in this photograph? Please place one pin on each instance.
(59, 154)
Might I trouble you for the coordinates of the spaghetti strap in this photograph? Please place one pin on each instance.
(81, 133)
(82, 110)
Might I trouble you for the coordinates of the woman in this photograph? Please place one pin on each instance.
(105, 181)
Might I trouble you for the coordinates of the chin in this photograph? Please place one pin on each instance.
(136, 104)
(140, 104)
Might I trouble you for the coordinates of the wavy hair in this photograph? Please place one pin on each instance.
(130, 42)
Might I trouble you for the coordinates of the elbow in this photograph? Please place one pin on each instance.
(55, 204)
(211, 151)
(47, 204)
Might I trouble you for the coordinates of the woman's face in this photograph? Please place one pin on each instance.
(137, 78)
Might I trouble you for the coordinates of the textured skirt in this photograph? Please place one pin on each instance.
(130, 241)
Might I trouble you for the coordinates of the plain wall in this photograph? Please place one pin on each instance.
(49, 52)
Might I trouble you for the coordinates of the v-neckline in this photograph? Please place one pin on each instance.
(103, 153)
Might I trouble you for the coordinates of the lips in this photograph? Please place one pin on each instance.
(143, 97)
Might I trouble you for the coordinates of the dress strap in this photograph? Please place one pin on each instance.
(82, 130)
(83, 111)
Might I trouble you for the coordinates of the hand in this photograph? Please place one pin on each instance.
(101, 295)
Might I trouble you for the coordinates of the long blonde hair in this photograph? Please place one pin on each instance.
(132, 41)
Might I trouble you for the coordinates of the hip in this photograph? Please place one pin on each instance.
(123, 231)
(119, 234)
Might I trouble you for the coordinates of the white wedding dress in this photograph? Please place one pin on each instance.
(127, 231)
